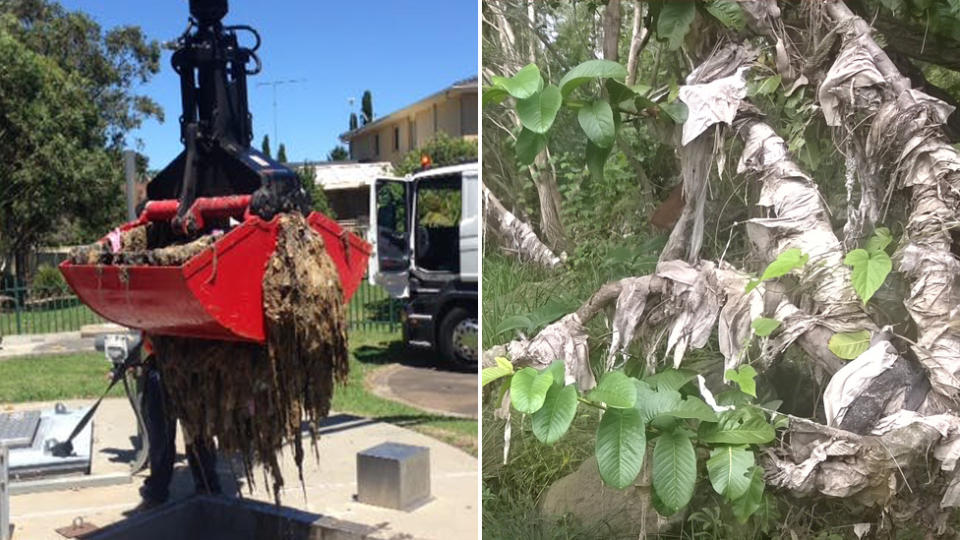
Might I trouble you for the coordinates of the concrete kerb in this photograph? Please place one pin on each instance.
(214, 518)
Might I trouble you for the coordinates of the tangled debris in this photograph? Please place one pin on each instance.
(254, 398)
(133, 247)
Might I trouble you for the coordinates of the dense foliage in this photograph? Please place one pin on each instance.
(442, 150)
(67, 101)
(308, 178)
(568, 123)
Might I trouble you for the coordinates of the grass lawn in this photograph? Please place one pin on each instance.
(370, 351)
(55, 377)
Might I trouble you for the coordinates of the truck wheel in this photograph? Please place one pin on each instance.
(459, 339)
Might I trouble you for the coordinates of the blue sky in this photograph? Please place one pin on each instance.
(401, 51)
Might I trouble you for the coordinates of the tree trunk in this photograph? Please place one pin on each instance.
(541, 172)
(638, 39)
(549, 196)
(611, 31)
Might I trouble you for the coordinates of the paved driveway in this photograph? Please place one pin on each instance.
(427, 388)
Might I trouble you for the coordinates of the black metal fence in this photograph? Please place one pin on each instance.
(41, 310)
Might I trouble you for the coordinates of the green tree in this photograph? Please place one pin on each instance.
(308, 179)
(282, 153)
(353, 121)
(66, 105)
(442, 150)
(108, 64)
(265, 146)
(366, 107)
(339, 153)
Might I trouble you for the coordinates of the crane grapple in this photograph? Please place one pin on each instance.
(219, 188)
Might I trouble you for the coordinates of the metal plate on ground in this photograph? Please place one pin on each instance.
(17, 429)
(35, 460)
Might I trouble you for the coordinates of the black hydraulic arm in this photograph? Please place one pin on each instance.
(216, 125)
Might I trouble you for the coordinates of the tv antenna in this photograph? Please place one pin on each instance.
(275, 84)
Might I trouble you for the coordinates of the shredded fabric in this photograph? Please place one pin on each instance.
(254, 399)
(711, 103)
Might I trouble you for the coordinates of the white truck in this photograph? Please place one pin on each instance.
(425, 230)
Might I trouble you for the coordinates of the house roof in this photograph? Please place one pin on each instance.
(333, 175)
(462, 85)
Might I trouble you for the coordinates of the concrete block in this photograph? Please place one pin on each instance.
(394, 475)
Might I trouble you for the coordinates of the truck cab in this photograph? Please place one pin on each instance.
(425, 229)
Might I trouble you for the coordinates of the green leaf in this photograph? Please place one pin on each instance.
(744, 377)
(619, 92)
(538, 111)
(870, 270)
(596, 160)
(514, 322)
(727, 468)
(653, 403)
(557, 370)
(523, 84)
(492, 95)
(764, 326)
(810, 153)
(728, 13)
(552, 310)
(880, 240)
(674, 469)
(745, 506)
(895, 6)
(695, 408)
(673, 91)
(739, 426)
(616, 390)
(849, 345)
(502, 369)
(596, 119)
(621, 444)
(554, 418)
(734, 397)
(676, 110)
(591, 69)
(786, 262)
(769, 85)
(528, 389)
(671, 379)
(529, 144)
(674, 22)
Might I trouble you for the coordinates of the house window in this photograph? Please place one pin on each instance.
(376, 144)
(396, 138)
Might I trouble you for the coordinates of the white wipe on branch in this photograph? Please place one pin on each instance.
(712, 103)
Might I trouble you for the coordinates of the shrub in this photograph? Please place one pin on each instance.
(48, 280)
(442, 149)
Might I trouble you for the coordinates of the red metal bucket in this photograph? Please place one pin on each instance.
(218, 293)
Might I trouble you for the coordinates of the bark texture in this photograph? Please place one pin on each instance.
(516, 235)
